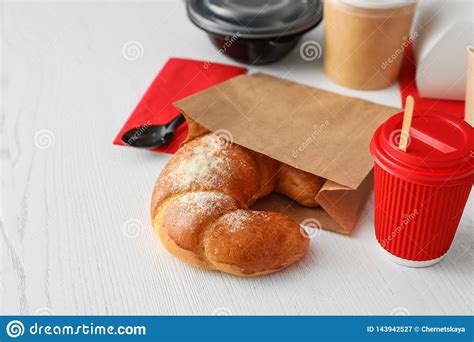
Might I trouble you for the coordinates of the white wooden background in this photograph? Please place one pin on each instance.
(75, 236)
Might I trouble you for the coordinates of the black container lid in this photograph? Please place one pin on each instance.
(255, 19)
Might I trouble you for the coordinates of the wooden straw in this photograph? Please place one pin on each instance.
(407, 116)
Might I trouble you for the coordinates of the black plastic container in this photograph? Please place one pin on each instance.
(255, 31)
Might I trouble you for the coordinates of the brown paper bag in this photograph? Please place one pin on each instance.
(314, 130)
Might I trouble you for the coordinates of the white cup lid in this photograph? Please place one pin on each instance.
(378, 4)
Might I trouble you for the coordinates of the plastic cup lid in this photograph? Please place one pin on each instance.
(255, 19)
(440, 149)
(378, 4)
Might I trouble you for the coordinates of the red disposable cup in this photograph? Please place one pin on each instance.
(420, 194)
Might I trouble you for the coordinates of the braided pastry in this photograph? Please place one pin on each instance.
(200, 208)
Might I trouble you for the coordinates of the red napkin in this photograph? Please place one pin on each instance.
(408, 87)
(178, 79)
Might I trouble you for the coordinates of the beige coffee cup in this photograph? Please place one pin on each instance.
(364, 41)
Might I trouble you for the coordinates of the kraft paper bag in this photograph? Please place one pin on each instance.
(314, 130)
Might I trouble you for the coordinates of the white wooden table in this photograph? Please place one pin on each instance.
(75, 236)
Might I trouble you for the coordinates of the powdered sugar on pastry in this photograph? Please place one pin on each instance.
(201, 202)
(195, 207)
(235, 221)
(205, 164)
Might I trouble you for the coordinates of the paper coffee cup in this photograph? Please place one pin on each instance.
(420, 194)
(364, 41)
